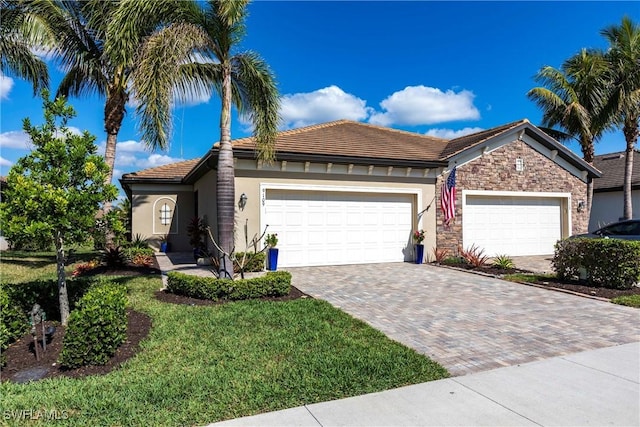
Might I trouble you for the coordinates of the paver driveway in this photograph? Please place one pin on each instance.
(467, 322)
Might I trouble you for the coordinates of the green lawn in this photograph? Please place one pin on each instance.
(205, 364)
(629, 300)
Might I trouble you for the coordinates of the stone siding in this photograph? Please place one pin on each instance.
(495, 171)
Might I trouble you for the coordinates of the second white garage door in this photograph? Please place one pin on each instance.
(331, 228)
(512, 225)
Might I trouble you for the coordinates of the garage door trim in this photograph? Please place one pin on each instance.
(310, 188)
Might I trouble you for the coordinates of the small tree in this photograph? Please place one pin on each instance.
(54, 192)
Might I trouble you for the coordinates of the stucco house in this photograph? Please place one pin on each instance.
(608, 200)
(345, 192)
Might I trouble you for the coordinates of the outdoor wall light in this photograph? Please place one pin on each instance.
(581, 206)
(242, 202)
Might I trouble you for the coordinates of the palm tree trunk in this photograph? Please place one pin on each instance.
(110, 159)
(630, 131)
(114, 110)
(588, 153)
(63, 297)
(626, 190)
(225, 185)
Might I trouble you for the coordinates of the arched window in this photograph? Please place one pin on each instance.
(165, 214)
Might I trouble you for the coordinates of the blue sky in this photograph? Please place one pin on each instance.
(442, 68)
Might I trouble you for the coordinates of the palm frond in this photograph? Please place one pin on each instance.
(158, 75)
(20, 32)
(262, 100)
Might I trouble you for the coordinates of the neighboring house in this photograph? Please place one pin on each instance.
(608, 200)
(346, 192)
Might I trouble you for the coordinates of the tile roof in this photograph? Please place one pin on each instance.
(458, 145)
(346, 138)
(612, 167)
(351, 142)
(172, 171)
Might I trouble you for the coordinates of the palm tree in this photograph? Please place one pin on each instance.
(20, 32)
(83, 46)
(624, 100)
(195, 56)
(572, 98)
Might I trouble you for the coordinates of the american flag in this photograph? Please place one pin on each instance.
(448, 198)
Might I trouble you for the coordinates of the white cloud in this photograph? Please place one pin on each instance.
(422, 105)
(5, 162)
(130, 146)
(15, 139)
(19, 139)
(322, 105)
(156, 160)
(6, 84)
(126, 159)
(451, 134)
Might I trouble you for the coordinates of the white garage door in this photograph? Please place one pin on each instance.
(331, 228)
(512, 225)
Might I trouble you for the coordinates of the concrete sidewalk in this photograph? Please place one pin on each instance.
(596, 387)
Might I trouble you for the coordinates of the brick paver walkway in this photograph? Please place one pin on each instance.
(467, 322)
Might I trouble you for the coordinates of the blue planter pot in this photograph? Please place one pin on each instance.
(164, 247)
(272, 261)
(419, 253)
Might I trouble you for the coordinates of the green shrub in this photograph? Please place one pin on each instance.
(114, 257)
(276, 283)
(504, 262)
(609, 263)
(254, 261)
(133, 251)
(454, 260)
(96, 327)
(13, 322)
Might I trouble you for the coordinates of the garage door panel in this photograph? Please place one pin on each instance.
(330, 228)
(512, 225)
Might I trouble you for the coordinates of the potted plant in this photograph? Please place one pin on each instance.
(164, 243)
(272, 255)
(418, 237)
(196, 231)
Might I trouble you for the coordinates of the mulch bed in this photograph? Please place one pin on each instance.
(588, 290)
(572, 286)
(22, 365)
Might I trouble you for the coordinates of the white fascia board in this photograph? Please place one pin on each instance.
(492, 144)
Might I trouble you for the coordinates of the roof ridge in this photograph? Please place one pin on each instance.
(294, 131)
(619, 153)
(333, 123)
(503, 128)
(491, 133)
(172, 165)
(402, 131)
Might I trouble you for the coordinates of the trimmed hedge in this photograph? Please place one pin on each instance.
(273, 284)
(17, 299)
(608, 263)
(45, 293)
(96, 327)
(13, 322)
